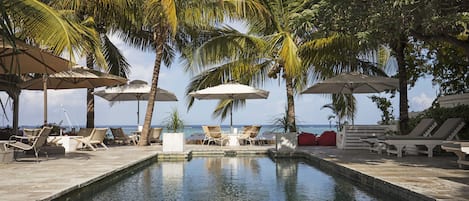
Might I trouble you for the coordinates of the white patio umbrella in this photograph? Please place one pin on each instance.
(77, 77)
(135, 90)
(230, 91)
(349, 83)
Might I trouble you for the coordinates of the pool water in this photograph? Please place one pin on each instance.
(232, 178)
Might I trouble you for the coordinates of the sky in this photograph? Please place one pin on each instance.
(71, 103)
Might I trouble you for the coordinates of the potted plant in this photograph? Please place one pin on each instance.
(286, 141)
(173, 139)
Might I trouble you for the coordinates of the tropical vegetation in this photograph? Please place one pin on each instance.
(299, 42)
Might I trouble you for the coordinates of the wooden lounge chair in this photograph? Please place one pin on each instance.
(216, 135)
(423, 128)
(155, 135)
(85, 132)
(249, 134)
(37, 144)
(96, 138)
(207, 137)
(447, 131)
(121, 137)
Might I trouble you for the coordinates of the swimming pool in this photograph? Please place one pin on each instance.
(232, 178)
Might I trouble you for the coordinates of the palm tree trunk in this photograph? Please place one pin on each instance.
(290, 104)
(158, 37)
(89, 97)
(403, 103)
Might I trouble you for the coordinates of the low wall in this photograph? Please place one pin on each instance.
(450, 101)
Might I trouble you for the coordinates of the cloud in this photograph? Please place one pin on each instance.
(420, 102)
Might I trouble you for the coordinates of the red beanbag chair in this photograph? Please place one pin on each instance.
(306, 139)
(327, 138)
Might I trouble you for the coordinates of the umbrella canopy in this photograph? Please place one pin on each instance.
(136, 90)
(77, 77)
(230, 91)
(348, 83)
(28, 59)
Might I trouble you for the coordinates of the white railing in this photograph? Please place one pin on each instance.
(349, 137)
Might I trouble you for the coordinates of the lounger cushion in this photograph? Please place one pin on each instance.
(306, 139)
(327, 138)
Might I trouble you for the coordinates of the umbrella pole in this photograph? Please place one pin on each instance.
(44, 85)
(231, 118)
(138, 112)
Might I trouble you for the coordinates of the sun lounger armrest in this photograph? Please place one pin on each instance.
(14, 137)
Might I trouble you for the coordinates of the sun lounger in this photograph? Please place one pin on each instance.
(423, 128)
(96, 138)
(84, 132)
(249, 134)
(447, 131)
(207, 137)
(121, 137)
(215, 135)
(460, 148)
(155, 135)
(37, 144)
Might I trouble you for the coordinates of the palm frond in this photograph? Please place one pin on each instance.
(47, 27)
(117, 63)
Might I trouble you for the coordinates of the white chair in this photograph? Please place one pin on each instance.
(96, 138)
(36, 145)
(447, 131)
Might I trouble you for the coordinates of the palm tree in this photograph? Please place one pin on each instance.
(269, 49)
(283, 43)
(107, 15)
(167, 26)
(41, 25)
(343, 107)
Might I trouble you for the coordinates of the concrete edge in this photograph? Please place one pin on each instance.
(111, 175)
(376, 185)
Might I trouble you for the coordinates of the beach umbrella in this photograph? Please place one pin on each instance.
(77, 77)
(22, 58)
(349, 83)
(136, 90)
(234, 91)
(28, 59)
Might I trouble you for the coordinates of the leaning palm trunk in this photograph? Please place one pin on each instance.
(291, 105)
(159, 35)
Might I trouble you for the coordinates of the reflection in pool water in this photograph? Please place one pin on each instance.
(232, 178)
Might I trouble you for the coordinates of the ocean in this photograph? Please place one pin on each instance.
(197, 129)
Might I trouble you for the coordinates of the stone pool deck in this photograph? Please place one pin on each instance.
(437, 178)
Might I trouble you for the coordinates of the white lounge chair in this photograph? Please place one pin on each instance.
(447, 131)
(96, 138)
(121, 137)
(155, 135)
(36, 145)
(423, 128)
